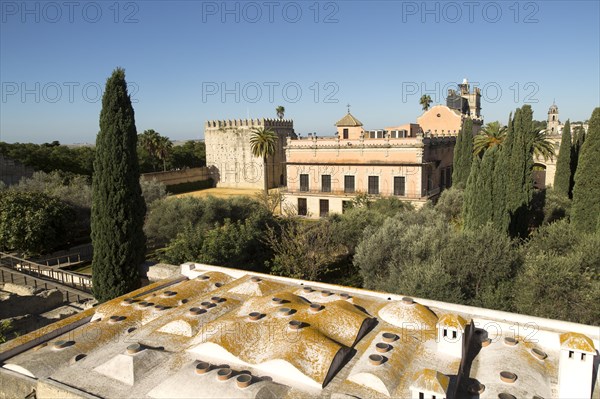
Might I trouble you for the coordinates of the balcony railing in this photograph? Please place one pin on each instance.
(413, 195)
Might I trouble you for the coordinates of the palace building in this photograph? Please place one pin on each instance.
(412, 162)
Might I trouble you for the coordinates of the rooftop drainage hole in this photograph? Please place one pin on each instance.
(325, 293)
(345, 295)
(307, 289)
(508, 377)
(167, 294)
(376, 360)
(539, 354)
(295, 324)
(196, 311)
(217, 299)
(407, 300)
(204, 277)
(504, 395)
(243, 380)
(253, 316)
(389, 337)
(218, 285)
(224, 374)
(315, 307)
(277, 301)
(202, 367)
(61, 344)
(476, 388)
(134, 348)
(116, 319)
(207, 305)
(382, 347)
(510, 341)
(78, 357)
(286, 311)
(256, 279)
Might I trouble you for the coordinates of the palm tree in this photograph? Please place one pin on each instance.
(163, 150)
(425, 101)
(149, 141)
(543, 147)
(262, 145)
(280, 111)
(491, 135)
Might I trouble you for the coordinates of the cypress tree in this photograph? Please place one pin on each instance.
(519, 187)
(479, 209)
(463, 154)
(501, 217)
(118, 208)
(585, 212)
(578, 139)
(564, 176)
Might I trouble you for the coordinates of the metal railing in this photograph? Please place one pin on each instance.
(65, 278)
(12, 276)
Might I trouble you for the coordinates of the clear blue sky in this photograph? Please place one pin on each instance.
(379, 56)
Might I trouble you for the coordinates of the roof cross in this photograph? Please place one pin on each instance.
(348, 105)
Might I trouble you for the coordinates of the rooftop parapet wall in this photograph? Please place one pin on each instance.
(240, 123)
(334, 142)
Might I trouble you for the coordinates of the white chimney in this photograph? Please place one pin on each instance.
(575, 367)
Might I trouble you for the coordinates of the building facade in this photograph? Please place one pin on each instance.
(229, 156)
(545, 169)
(325, 174)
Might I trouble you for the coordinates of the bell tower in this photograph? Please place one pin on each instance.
(553, 121)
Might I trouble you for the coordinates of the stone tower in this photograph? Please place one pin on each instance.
(553, 121)
(230, 160)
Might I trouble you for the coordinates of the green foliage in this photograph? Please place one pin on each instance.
(482, 264)
(33, 223)
(519, 181)
(191, 154)
(425, 101)
(402, 256)
(561, 275)
(5, 329)
(563, 177)
(72, 189)
(493, 134)
(303, 249)
(479, 204)
(232, 244)
(450, 204)
(152, 190)
(463, 154)
(118, 208)
(556, 207)
(262, 145)
(50, 157)
(585, 213)
(280, 111)
(167, 217)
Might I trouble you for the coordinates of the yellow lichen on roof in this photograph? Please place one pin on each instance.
(270, 338)
(256, 288)
(580, 342)
(394, 368)
(431, 381)
(452, 320)
(400, 314)
(338, 320)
